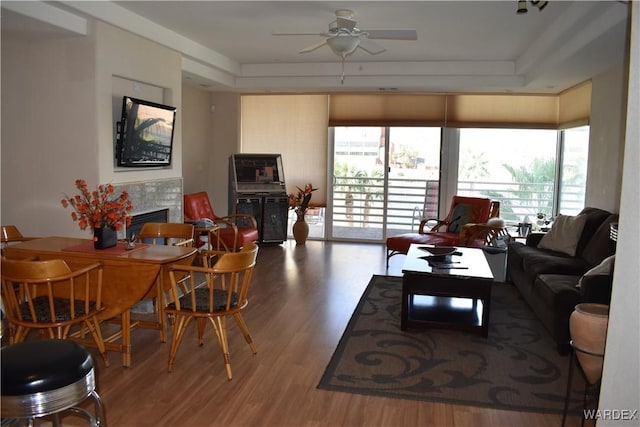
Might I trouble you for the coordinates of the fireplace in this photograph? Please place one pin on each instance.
(139, 219)
(157, 200)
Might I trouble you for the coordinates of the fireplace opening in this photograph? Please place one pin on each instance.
(138, 220)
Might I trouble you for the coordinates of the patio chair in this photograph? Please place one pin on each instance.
(465, 225)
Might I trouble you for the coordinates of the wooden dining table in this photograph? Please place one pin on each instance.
(129, 276)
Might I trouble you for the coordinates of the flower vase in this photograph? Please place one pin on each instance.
(300, 230)
(105, 237)
(588, 328)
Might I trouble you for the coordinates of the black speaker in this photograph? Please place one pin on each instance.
(274, 219)
(250, 206)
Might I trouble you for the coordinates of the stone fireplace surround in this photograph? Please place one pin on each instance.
(154, 195)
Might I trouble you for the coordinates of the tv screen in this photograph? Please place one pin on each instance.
(145, 133)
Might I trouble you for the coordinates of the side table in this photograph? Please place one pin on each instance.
(497, 259)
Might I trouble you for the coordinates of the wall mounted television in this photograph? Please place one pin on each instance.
(144, 134)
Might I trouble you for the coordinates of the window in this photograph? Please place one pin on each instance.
(385, 179)
(521, 167)
(573, 173)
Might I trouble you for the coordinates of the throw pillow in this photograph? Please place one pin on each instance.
(564, 234)
(604, 267)
(460, 216)
(496, 222)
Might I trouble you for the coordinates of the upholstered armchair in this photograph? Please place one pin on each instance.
(233, 231)
(465, 225)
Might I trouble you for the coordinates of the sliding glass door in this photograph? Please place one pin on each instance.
(385, 179)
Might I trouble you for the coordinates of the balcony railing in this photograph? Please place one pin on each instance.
(358, 202)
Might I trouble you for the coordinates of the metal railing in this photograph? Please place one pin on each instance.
(358, 201)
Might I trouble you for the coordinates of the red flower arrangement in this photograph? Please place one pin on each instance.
(300, 202)
(99, 208)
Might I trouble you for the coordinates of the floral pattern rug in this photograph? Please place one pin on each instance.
(516, 368)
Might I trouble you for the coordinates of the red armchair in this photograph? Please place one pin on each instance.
(465, 225)
(234, 231)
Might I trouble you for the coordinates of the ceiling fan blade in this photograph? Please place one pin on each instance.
(299, 34)
(392, 34)
(345, 22)
(370, 47)
(313, 47)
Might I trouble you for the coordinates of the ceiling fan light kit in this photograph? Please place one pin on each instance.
(343, 45)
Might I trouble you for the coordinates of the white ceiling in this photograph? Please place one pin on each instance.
(462, 46)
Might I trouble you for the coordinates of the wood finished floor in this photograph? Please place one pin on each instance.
(301, 300)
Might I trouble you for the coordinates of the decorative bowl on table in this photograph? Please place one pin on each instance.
(439, 250)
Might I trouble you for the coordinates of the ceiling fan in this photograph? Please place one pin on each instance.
(344, 38)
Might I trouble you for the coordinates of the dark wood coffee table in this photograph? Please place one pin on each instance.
(455, 298)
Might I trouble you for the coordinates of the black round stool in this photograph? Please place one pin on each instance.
(47, 377)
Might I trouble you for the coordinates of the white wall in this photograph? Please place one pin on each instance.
(621, 375)
(606, 139)
(211, 124)
(121, 54)
(57, 119)
(225, 133)
(196, 138)
(49, 130)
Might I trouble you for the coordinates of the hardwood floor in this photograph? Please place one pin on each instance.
(300, 302)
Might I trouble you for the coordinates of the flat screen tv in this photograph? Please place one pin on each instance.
(145, 133)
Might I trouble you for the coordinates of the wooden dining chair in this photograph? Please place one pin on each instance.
(11, 234)
(48, 296)
(165, 233)
(224, 294)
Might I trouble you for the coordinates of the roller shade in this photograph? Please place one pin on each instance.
(575, 106)
(294, 126)
(502, 111)
(386, 110)
(536, 111)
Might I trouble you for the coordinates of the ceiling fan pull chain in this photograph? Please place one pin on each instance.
(342, 78)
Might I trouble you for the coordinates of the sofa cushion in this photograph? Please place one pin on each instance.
(538, 261)
(558, 290)
(460, 216)
(596, 288)
(564, 235)
(595, 216)
(605, 267)
(600, 246)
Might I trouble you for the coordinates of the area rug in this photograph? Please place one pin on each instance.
(516, 368)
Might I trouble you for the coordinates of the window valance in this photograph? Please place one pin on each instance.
(548, 111)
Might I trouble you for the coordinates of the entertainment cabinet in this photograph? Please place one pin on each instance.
(257, 187)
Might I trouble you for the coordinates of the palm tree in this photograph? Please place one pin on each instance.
(535, 184)
(371, 188)
(343, 174)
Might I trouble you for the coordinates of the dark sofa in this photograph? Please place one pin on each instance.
(547, 279)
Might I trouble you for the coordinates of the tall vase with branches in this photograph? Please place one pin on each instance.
(299, 202)
(102, 210)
